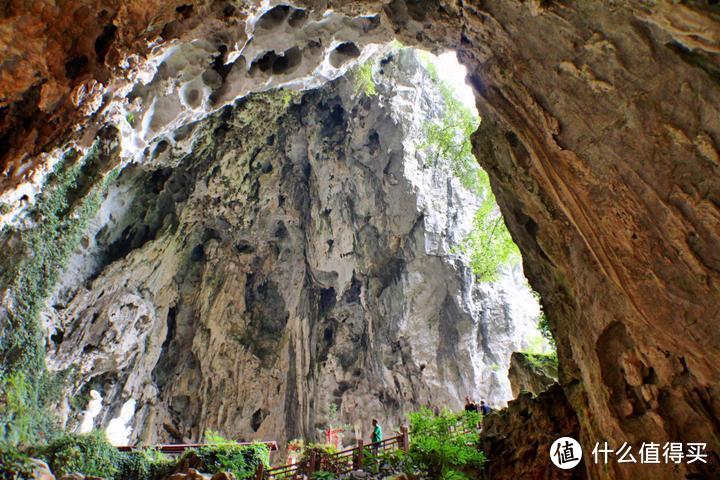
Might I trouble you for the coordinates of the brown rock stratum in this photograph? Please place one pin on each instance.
(601, 126)
(524, 432)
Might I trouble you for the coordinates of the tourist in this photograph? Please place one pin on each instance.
(470, 406)
(376, 437)
(484, 408)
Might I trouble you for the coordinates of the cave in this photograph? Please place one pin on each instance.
(600, 131)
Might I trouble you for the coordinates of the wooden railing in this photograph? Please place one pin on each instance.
(338, 463)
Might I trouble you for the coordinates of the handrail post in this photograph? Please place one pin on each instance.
(405, 445)
(313, 459)
(360, 448)
(260, 471)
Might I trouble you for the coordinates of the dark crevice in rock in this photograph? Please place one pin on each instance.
(104, 42)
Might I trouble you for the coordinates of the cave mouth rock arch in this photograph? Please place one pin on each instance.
(600, 133)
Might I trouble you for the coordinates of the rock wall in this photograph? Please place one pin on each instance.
(601, 134)
(601, 131)
(524, 432)
(290, 253)
(530, 374)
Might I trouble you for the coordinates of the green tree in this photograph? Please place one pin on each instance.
(225, 455)
(445, 446)
(447, 141)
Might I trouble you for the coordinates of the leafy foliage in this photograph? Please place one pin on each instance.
(228, 456)
(448, 141)
(445, 446)
(146, 464)
(86, 453)
(23, 415)
(386, 463)
(14, 464)
(287, 96)
(543, 360)
(319, 449)
(544, 327)
(489, 244)
(543, 324)
(364, 82)
(322, 475)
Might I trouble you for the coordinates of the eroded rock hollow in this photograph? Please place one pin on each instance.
(601, 126)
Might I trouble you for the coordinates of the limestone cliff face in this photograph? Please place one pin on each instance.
(289, 253)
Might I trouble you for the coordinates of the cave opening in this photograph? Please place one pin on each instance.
(415, 240)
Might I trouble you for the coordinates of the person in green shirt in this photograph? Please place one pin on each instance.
(376, 435)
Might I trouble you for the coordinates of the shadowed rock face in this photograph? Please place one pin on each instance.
(600, 132)
(525, 431)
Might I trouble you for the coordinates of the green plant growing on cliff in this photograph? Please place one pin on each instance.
(23, 419)
(364, 82)
(445, 446)
(287, 96)
(144, 464)
(489, 244)
(543, 324)
(542, 361)
(69, 199)
(448, 140)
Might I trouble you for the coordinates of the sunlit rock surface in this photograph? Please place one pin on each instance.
(299, 256)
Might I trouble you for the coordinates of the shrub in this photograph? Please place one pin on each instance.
(228, 456)
(445, 446)
(146, 464)
(324, 476)
(319, 449)
(386, 462)
(14, 464)
(88, 453)
(542, 361)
